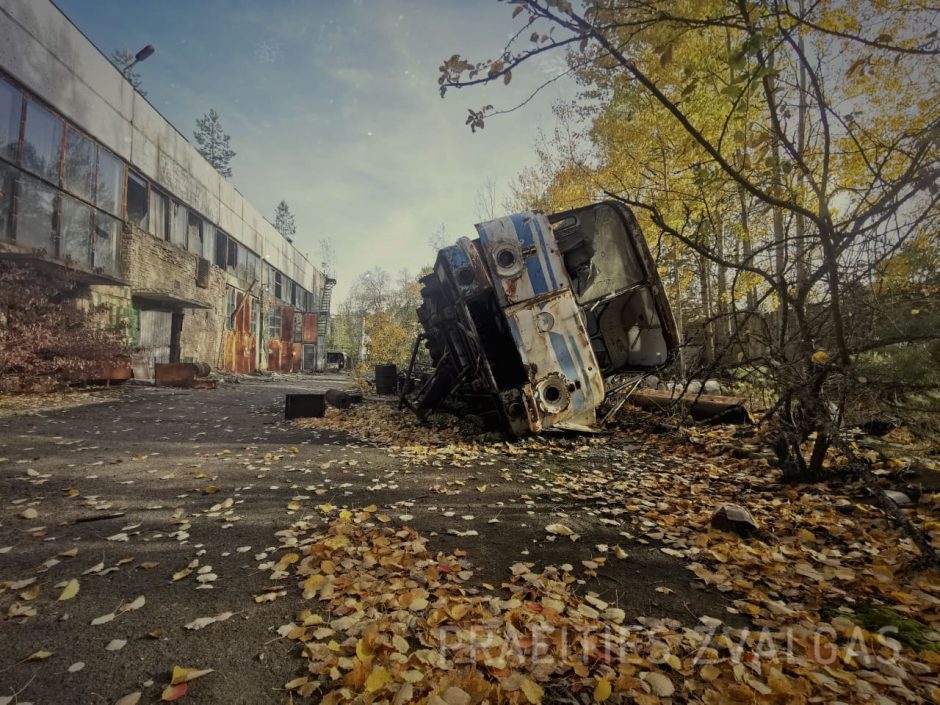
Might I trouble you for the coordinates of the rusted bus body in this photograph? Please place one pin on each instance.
(524, 323)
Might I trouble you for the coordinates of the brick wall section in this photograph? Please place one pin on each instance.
(152, 266)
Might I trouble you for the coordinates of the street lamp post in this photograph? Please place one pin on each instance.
(141, 55)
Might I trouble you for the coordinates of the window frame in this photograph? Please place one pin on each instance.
(274, 329)
(54, 175)
(17, 145)
(221, 249)
(231, 306)
(69, 130)
(167, 204)
(131, 174)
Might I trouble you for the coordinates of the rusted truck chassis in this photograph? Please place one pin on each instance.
(524, 323)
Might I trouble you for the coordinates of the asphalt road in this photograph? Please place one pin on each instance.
(212, 475)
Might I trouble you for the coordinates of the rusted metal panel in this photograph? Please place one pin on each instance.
(287, 323)
(296, 356)
(174, 374)
(281, 349)
(555, 348)
(310, 328)
(274, 354)
(240, 343)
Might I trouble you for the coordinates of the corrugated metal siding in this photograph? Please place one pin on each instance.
(240, 350)
(156, 329)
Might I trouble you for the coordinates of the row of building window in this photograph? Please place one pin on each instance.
(79, 220)
(233, 299)
(275, 327)
(61, 192)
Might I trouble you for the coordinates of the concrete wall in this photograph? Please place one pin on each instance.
(46, 53)
(152, 266)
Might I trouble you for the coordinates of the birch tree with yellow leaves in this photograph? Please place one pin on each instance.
(783, 154)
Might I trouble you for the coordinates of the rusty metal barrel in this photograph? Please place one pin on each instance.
(386, 379)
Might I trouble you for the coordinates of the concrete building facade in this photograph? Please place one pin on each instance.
(94, 179)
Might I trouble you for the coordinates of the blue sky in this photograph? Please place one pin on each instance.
(334, 107)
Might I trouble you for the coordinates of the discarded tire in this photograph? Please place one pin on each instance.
(386, 379)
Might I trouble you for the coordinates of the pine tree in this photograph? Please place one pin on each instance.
(284, 221)
(123, 58)
(213, 143)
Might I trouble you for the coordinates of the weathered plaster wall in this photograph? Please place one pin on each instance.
(155, 267)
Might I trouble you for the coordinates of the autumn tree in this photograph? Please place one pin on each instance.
(284, 221)
(124, 60)
(788, 150)
(47, 337)
(378, 322)
(213, 143)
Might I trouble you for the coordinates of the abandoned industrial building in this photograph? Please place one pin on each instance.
(93, 178)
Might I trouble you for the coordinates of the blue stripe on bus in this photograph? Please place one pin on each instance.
(560, 346)
(548, 260)
(584, 376)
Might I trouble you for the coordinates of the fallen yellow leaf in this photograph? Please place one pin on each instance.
(533, 691)
(377, 680)
(602, 690)
(70, 590)
(184, 675)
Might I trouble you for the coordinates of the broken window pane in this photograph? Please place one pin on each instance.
(231, 262)
(137, 200)
(80, 163)
(159, 215)
(221, 249)
(42, 147)
(278, 286)
(107, 230)
(298, 327)
(11, 107)
(35, 211)
(110, 178)
(194, 227)
(244, 267)
(7, 175)
(75, 231)
(253, 271)
(208, 240)
(230, 307)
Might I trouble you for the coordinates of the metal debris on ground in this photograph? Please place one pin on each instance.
(304, 405)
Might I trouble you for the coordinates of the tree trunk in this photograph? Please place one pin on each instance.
(708, 325)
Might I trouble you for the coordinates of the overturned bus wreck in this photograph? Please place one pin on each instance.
(524, 324)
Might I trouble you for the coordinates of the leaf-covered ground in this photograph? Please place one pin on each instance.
(365, 558)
